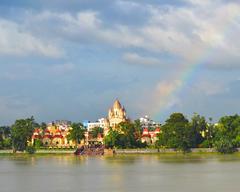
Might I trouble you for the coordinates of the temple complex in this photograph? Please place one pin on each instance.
(55, 134)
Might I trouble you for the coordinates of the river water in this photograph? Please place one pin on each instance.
(133, 173)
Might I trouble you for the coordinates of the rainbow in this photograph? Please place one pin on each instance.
(188, 72)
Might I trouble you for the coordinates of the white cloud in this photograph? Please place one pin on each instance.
(190, 32)
(16, 41)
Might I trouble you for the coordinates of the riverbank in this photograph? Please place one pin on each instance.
(163, 151)
(120, 151)
(41, 151)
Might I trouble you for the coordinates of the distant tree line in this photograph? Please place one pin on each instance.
(177, 132)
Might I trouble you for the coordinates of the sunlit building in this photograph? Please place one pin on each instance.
(55, 135)
(147, 122)
(103, 123)
(116, 114)
(150, 137)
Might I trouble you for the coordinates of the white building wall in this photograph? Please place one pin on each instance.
(100, 123)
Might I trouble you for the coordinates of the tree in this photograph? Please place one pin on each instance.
(110, 140)
(176, 133)
(137, 130)
(5, 132)
(130, 135)
(198, 125)
(227, 133)
(96, 131)
(77, 133)
(21, 133)
(5, 137)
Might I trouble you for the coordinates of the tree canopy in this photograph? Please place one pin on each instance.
(21, 132)
(77, 133)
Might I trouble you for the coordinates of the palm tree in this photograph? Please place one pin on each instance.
(77, 133)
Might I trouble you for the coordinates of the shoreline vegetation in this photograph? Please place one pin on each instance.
(177, 134)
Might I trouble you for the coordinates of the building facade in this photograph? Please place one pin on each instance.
(103, 123)
(55, 135)
(150, 137)
(147, 122)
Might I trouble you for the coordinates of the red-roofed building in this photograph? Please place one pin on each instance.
(150, 136)
(53, 136)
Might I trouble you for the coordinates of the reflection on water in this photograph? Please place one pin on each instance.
(120, 173)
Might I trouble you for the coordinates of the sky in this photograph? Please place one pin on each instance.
(70, 60)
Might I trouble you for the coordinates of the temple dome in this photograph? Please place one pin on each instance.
(117, 104)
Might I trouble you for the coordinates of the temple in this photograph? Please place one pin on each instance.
(116, 114)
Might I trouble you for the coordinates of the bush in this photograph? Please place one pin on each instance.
(30, 149)
(206, 144)
(224, 145)
(236, 141)
(7, 143)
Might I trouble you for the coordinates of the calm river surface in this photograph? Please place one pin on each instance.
(165, 173)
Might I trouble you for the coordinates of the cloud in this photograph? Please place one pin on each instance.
(16, 107)
(134, 58)
(158, 98)
(203, 30)
(210, 88)
(19, 42)
(93, 38)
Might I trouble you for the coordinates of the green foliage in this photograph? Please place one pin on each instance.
(5, 140)
(7, 143)
(236, 141)
(30, 149)
(206, 144)
(224, 145)
(127, 135)
(176, 133)
(96, 131)
(110, 140)
(77, 133)
(197, 125)
(130, 135)
(227, 134)
(38, 143)
(21, 132)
